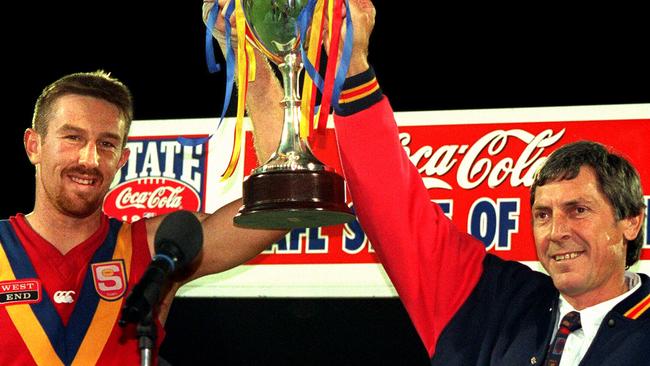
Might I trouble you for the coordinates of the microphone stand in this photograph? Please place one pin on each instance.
(138, 306)
(146, 330)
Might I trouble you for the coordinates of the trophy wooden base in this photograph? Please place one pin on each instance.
(293, 199)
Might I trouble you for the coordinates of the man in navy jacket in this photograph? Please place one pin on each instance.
(473, 308)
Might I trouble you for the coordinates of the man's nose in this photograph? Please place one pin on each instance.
(560, 227)
(88, 155)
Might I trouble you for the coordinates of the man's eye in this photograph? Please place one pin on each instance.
(541, 215)
(107, 145)
(581, 210)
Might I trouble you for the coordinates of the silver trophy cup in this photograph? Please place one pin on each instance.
(293, 188)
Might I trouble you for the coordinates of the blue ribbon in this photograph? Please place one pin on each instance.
(345, 57)
(302, 23)
(186, 141)
(230, 56)
(213, 66)
(230, 63)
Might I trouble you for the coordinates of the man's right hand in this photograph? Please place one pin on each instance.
(363, 20)
(219, 30)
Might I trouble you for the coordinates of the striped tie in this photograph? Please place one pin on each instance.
(569, 323)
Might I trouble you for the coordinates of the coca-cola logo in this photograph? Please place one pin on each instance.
(148, 197)
(483, 161)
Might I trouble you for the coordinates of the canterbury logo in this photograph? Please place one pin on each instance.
(61, 297)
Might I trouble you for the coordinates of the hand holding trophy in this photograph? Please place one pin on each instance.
(293, 188)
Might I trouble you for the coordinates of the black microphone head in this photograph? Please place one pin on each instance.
(180, 236)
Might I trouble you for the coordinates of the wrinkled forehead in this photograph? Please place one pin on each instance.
(583, 184)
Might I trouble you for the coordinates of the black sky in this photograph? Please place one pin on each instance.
(427, 57)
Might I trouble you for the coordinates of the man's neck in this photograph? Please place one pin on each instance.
(62, 231)
(583, 301)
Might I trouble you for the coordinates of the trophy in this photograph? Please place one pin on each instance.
(293, 188)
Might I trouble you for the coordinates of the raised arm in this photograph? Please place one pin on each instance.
(226, 245)
(433, 266)
(264, 94)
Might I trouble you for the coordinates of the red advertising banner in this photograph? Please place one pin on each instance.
(480, 173)
(478, 165)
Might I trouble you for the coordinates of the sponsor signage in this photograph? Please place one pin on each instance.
(479, 171)
(171, 167)
(163, 174)
(148, 197)
(477, 164)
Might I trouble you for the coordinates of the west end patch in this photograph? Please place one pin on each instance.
(27, 291)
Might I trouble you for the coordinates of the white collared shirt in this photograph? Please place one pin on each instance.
(579, 341)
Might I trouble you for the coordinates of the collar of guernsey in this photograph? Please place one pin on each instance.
(92, 321)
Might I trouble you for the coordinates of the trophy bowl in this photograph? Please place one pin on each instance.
(293, 189)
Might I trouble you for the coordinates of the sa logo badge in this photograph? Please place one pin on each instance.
(110, 279)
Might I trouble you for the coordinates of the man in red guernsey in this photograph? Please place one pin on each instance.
(473, 308)
(65, 267)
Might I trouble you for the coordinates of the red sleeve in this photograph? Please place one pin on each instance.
(140, 243)
(433, 266)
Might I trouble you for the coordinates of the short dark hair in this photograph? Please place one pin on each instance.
(617, 179)
(97, 84)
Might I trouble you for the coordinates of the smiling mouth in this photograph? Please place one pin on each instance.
(567, 256)
(83, 181)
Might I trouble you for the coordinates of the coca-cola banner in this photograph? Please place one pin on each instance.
(172, 166)
(477, 164)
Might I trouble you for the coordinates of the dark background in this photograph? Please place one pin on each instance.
(427, 57)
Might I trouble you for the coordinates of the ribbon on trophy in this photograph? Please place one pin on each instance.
(312, 19)
(335, 72)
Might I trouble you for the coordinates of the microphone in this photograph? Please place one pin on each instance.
(178, 240)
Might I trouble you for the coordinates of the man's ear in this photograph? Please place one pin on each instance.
(632, 225)
(125, 156)
(32, 142)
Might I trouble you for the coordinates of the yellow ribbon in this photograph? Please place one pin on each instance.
(309, 89)
(245, 72)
